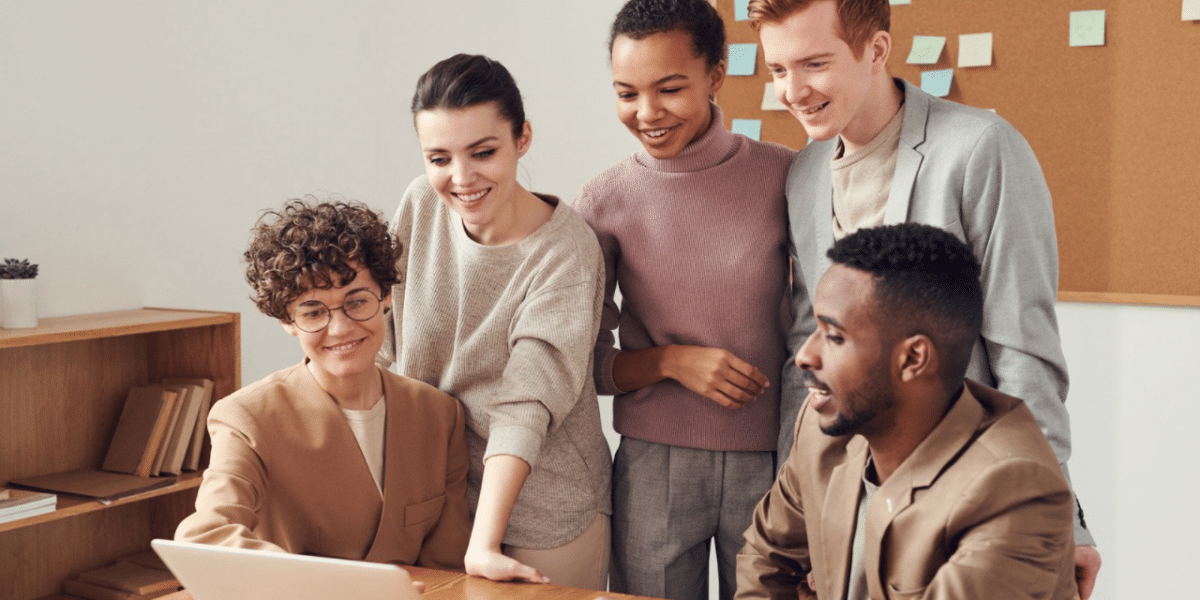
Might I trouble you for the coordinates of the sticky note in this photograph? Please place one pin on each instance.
(937, 83)
(895, 2)
(769, 101)
(1191, 10)
(741, 10)
(1087, 28)
(751, 128)
(926, 49)
(742, 58)
(975, 50)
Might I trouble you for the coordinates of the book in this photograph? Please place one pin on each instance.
(22, 504)
(128, 577)
(172, 396)
(101, 485)
(132, 449)
(190, 396)
(4, 494)
(98, 592)
(147, 558)
(191, 461)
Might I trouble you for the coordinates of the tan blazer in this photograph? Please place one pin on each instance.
(979, 510)
(287, 474)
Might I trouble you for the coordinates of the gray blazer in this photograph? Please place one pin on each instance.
(969, 172)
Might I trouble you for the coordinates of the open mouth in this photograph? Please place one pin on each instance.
(656, 133)
(808, 112)
(473, 196)
(344, 348)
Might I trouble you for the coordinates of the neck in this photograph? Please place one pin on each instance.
(912, 423)
(881, 105)
(357, 392)
(522, 216)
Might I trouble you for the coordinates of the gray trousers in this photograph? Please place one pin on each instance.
(668, 502)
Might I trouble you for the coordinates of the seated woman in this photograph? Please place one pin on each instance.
(335, 456)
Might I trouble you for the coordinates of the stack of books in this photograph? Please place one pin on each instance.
(160, 434)
(140, 576)
(22, 504)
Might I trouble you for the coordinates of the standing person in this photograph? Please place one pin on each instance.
(334, 456)
(693, 233)
(884, 151)
(907, 480)
(499, 306)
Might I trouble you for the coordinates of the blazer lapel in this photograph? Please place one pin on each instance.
(839, 514)
(917, 472)
(908, 158)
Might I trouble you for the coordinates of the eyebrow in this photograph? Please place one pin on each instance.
(365, 288)
(804, 59)
(479, 142)
(832, 322)
(659, 82)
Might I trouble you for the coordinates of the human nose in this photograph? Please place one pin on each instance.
(793, 90)
(339, 320)
(807, 358)
(649, 108)
(461, 172)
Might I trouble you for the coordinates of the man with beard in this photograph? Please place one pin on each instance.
(907, 480)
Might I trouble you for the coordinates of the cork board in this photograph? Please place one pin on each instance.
(1115, 127)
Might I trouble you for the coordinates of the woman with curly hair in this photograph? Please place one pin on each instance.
(500, 308)
(335, 456)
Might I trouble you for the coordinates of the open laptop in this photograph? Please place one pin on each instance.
(219, 573)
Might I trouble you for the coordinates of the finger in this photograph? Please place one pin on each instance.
(745, 384)
(734, 398)
(523, 572)
(420, 585)
(748, 370)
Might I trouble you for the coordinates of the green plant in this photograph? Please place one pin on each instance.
(17, 269)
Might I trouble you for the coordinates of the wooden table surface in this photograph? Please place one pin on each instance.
(452, 585)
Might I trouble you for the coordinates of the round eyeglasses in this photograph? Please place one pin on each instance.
(313, 316)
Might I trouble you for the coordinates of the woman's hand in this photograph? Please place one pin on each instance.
(493, 565)
(714, 373)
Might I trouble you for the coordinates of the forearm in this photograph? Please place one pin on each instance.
(636, 369)
(503, 477)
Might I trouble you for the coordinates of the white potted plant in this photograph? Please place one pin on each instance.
(18, 294)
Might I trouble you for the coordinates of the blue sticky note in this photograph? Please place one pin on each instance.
(742, 58)
(937, 83)
(751, 128)
(741, 10)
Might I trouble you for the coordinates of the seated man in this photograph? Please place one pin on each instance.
(906, 480)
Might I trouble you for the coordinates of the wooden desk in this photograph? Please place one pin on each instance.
(452, 585)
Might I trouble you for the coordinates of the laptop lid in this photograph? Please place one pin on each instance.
(220, 573)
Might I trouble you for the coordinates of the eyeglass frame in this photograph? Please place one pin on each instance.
(329, 311)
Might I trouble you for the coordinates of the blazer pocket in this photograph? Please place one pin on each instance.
(422, 512)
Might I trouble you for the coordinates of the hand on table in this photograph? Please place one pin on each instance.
(716, 374)
(496, 566)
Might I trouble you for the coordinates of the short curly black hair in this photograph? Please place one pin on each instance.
(925, 281)
(640, 19)
(309, 244)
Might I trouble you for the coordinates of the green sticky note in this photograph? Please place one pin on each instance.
(742, 58)
(751, 128)
(937, 83)
(1087, 28)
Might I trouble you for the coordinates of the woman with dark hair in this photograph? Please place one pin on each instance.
(499, 307)
(694, 233)
(334, 456)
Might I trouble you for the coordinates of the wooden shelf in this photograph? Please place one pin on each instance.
(69, 506)
(111, 324)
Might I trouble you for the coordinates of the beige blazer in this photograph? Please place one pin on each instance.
(287, 474)
(979, 510)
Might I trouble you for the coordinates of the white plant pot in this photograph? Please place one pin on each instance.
(18, 303)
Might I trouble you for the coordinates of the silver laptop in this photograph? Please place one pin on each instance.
(219, 573)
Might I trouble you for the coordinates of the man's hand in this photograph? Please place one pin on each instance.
(498, 567)
(1087, 567)
(715, 374)
(807, 590)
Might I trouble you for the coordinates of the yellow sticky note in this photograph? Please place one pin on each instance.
(975, 50)
(926, 49)
(1087, 28)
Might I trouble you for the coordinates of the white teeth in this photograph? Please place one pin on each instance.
(342, 347)
(472, 197)
(656, 133)
(819, 391)
(814, 109)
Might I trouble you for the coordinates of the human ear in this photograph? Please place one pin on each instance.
(290, 328)
(917, 358)
(526, 139)
(716, 77)
(880, 47)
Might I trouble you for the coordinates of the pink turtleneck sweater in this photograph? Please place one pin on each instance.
(697, 244)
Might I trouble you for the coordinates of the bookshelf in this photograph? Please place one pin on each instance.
(62, 387)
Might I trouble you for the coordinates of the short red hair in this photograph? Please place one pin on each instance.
(859, 19)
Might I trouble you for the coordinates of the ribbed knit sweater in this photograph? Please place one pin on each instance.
(697, 244)
(508, 330)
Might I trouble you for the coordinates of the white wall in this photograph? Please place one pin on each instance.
(139, 140)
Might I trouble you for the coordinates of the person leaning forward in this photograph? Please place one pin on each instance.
(905, 479)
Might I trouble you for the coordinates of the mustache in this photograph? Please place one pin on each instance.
(811, 380)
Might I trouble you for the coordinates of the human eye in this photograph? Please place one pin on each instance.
(437, 160)
(672, 90)
(311, 311)
(834, 338)
(484, 154)
(626, 95)
(816, 65)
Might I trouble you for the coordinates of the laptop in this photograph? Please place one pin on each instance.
(219, 573)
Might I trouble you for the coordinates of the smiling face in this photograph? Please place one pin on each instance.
(663, 90)
(346, 348)
(818, 78)
(847, 364)
(471, 161)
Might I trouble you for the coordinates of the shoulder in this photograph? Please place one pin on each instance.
(610, 183)
(256, 401)
(417, 397)
(767, 154)
(420, 202)
(952, 125)
(565, 244)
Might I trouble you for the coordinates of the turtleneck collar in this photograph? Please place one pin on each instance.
(711, 149)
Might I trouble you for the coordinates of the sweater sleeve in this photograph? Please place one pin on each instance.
(549, 363)
(233, 487)
(605, 350)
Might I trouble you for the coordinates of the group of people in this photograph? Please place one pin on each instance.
(448, 416)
